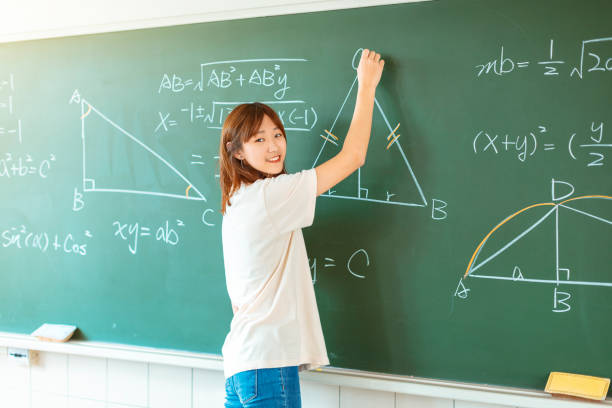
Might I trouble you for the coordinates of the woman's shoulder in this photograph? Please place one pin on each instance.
(243, 191)
(287, 177)
(247, 192)
(278, 179)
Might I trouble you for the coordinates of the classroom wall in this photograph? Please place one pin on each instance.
(72, 381)
(63, 380)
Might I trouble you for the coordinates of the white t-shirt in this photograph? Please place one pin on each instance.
(268, 277)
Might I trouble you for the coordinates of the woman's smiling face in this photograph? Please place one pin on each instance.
(265, 150)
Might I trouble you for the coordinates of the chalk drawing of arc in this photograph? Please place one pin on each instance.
(389, 151)
(104, 134)
(474, 264)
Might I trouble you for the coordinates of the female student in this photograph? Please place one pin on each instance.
(275, 331)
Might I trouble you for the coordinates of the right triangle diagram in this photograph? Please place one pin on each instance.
(115, 161)
(387, 176)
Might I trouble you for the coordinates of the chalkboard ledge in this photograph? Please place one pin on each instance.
(336, 376)
(116, 351)
(507, 396)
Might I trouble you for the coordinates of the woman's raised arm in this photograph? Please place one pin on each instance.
(355, 146)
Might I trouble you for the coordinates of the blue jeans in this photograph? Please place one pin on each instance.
(264, 388)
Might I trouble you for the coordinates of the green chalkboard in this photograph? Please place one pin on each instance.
(473, 245)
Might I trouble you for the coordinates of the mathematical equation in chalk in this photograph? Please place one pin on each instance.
(9, 125)
(132, 232)
(19, 237)
(7, 90)
(268, 75)
(595, 56)
(587, 145)
(198, 160)
(296, 115)
(356, 264)
(22, 166)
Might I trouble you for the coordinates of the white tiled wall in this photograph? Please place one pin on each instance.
(69, 381)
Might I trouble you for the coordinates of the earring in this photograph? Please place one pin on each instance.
(242, 163)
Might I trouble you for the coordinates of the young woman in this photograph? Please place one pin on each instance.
(275, 331)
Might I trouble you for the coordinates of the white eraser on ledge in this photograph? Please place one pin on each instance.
(54, 332)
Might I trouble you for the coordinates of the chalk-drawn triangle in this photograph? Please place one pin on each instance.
(515, 242)
(534, 234)
(115, 161)
(387, 176)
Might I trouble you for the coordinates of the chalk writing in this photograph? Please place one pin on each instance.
(356, 265)
(14, 130)
(525, 146)
(22, 166)
(132, 232)
(296, 115)
(595, 56)
(10, 127)
(269, 74)
(20, 237)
